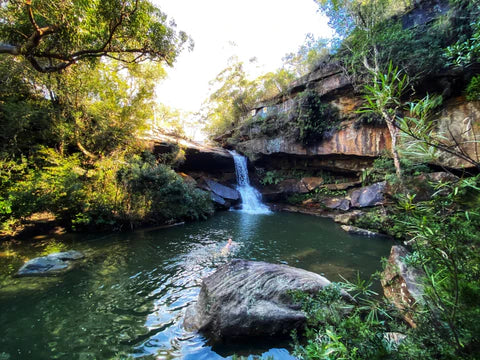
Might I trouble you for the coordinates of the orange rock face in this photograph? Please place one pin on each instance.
(367, 141)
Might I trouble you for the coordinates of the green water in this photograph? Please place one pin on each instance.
(128, 297)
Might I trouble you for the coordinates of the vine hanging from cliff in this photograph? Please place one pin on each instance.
(315, 119)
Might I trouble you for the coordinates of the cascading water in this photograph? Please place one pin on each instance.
(251, 198)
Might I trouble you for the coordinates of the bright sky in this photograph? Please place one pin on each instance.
(265, 29)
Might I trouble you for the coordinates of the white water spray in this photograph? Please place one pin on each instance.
(251, 198)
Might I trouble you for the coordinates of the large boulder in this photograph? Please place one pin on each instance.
(402, 283)
(285, 188)
(245, 299)
(222, 190)
(369, 196)
(53, 264)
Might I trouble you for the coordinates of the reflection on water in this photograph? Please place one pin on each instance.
(128, 297)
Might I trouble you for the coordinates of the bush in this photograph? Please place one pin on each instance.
(111, 193)
(314, 119)
(445, 232)
(339, 330)
(155, 194)
(473, 89)
(383, 169)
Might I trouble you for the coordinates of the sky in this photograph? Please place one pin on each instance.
(265, 29)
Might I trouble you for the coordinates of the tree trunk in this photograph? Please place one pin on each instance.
(396, 159)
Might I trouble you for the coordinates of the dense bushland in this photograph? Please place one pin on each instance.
(439, 221)
(71, 128)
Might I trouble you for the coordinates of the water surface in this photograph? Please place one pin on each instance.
(127, 299)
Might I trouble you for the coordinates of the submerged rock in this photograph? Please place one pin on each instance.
(245, 299)
(359, 231)
(53, 264)
(402, 283)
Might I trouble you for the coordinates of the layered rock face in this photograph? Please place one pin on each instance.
(195, 157)
(245, 299)
(459, 123)
(355, 144)
(366, 141)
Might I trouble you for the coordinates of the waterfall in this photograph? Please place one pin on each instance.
(251, 198)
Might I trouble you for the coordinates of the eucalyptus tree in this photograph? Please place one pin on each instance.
(233, 94)
(53, 35)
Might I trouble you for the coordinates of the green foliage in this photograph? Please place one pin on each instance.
(156, 194)
(314, 119)
(423, 140)
(370, 35)
(374, 220)
(466, 52)
(317, 195)
(384, 170)
(308, 56)
(384, 96)
(52, 36)
(337, 329)
(473, 89)
(272, 177)
(235, 95)
(111, 194)
(444, 233)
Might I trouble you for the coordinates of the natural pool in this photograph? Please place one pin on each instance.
(128, 297)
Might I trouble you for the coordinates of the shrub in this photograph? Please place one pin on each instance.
(110, 193)
(272, 177)
(473, 89)
(339, 330)
(155, 194)
(314, 118)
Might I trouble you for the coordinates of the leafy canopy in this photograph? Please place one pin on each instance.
(53, 35)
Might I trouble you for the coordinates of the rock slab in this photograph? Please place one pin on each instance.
(372, 195)
(222, 190)
(53, 264)
(244, 299)
(402, 284)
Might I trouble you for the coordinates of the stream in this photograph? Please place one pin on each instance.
(127, 298)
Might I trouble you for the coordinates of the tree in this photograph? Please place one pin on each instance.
(308, 56)
(100, 109)
(53, 35)
(234, 95)
(384, 98)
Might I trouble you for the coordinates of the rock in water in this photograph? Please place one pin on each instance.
(248, 298)
(52, 264)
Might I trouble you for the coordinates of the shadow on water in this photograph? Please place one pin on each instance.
(127, 299)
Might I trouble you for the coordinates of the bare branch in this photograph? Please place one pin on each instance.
(30, 15)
